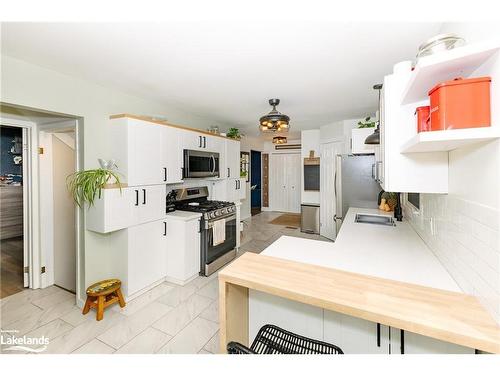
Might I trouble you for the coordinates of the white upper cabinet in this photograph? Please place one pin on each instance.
(397, 172)
(418, 162)
(232, 159)
(171, 154)
(138, 148)
(193, 141)
(131, 206)
(358, 137)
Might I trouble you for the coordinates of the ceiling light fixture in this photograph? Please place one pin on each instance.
(274, 121)
(279, 140)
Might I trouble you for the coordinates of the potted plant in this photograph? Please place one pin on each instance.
(367, 123)
(85, 185)
(233, 133)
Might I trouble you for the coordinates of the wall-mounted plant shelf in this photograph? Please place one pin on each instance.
(444, 66)
(447, 140)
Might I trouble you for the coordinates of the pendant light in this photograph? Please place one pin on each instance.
(374, 138)
(274, 121)
(279, 140)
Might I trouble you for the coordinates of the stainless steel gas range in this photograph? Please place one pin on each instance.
(218, 227)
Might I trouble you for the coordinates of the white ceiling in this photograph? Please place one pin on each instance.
(226, 71)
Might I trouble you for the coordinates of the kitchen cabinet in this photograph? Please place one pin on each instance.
(232, 154)
(149, 203)
(193, 140)
(117, 209)
(137, 149)
(358, 146)
(236, 189)
(182, 249)
(398, 172)
(147, 255)
(171, 154)
(404, 342)
(354, 335)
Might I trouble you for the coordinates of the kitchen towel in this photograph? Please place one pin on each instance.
(219, 232)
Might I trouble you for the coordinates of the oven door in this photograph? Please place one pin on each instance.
(214, 257)
(200, 164)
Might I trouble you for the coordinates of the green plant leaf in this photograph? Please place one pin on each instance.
(85, 185)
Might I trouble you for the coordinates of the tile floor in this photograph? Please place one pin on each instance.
(167, 319)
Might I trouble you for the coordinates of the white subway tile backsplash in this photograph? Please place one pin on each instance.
(465, 237)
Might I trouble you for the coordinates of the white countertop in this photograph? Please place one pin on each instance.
(183, 215)
(395, 253)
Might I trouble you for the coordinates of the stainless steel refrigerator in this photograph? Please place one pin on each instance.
(355, 185)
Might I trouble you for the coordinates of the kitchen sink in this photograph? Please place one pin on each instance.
(375, 219)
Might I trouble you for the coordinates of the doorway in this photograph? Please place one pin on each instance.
(285, 182)
(39, 208)
(13, 255)
(255, 182)
(57, 162)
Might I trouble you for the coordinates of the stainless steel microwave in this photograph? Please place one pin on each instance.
(201, 164)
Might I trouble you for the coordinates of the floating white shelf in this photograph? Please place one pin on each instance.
(447, 140)
(444, 66)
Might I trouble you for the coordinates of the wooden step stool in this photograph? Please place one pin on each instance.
(103, 294)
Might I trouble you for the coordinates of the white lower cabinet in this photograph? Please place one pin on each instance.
(147, 245)
(412, 343)
(182, 250)
(355, 336)
(352, 335)
(236, 189)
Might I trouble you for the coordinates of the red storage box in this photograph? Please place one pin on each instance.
(461, 103)
(422, 117)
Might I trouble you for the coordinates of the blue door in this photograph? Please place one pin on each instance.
(256, 180)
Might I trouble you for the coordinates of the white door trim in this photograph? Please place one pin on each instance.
(51, 128)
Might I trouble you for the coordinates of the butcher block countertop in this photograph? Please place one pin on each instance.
(441, 314)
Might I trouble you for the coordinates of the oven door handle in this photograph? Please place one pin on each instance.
(210, 223)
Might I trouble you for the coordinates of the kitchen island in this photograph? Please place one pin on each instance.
(376, 290)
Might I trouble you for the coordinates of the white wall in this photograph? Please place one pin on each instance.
(36, 87)
(472, 31)
(463, 227)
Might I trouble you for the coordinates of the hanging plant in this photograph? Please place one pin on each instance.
(84, 186)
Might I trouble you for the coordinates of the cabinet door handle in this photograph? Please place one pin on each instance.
(228, 172)
(402, 342)
(143, 196)
(199, 140)
(136, 197)
(164, 173)
(378, 335)
(204, 142)
(164, 228)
